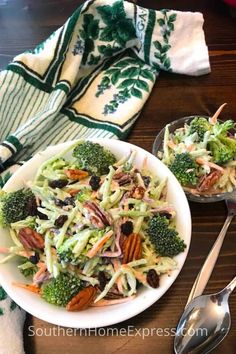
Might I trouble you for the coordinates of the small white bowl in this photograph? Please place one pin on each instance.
(95, 316)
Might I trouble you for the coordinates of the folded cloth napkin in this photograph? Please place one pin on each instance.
(90, 78)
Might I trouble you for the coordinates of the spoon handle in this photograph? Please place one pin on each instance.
(207, 268)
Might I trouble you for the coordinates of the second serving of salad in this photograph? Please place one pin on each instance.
(90, 229)
(202, 155)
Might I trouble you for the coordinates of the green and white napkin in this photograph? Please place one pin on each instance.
(90, 78)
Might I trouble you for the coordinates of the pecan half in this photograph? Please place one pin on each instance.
(132, 248)
(138, 192)
(82, 300)
(31, 239)
(98, 216)
(208, 181)
(76, 174)
(122, 178)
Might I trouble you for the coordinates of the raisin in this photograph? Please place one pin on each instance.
(59, 202)
(58, 183)
(34, 259)
(165, 214)
(153, 278)
(102, 280)
(32, 207)
(69, 201)
(146, 180)
(94, 182)
(127, 228)
(42, 216)
(60, 221)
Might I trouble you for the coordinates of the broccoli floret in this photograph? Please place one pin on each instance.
(200, 126)
(221, 152)
(184, 169)
(66, 255)
(59, 291)
(84, 195)
(165, 239)
(229, 142)
(221, 128)
(222, 146)
(28, 269)
(93, 158)
(16, 206)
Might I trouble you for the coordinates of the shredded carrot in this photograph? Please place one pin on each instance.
(116, 265)
(214, 118)
(171, 144)
(30, 287)
(201, 161)
(140, 276)
(4, 250)
(73, 192)
(99, 244)
(144, 163)
(191, 147)
(105, 302)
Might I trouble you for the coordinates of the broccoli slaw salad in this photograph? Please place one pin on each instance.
(91, 229)
(202, 155)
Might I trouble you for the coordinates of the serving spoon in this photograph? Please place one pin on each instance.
(204, 323)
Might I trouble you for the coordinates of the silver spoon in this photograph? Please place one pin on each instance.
(204, 323)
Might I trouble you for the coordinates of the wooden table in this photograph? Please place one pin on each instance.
(24, 23)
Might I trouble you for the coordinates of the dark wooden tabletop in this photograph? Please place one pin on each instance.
(23, 24)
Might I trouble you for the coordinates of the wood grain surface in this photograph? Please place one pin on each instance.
(24, 23)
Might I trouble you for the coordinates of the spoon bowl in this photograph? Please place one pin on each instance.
(204, 323)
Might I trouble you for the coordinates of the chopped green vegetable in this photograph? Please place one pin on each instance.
(93, 158)
(59, 291)
(164, 238)
(28, 269)
(199, 125)
(84, 195)
(184, 169)
(16, 206)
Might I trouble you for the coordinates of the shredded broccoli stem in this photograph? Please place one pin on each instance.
(61, 235)
(83, 238)
(166, 153)
(139, 221)
(14, 238)
(25, 265)
(91, 280)
(106, 187)
(157, 191)
(123, 160)
(54, 158)
(109, 285)
(48, 252)
(134, 213)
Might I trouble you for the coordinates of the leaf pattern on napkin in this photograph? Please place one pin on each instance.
(130, 77)
(116, 30)
(3, 296)
(167, 27)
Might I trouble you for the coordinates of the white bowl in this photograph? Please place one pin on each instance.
(100, 316)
